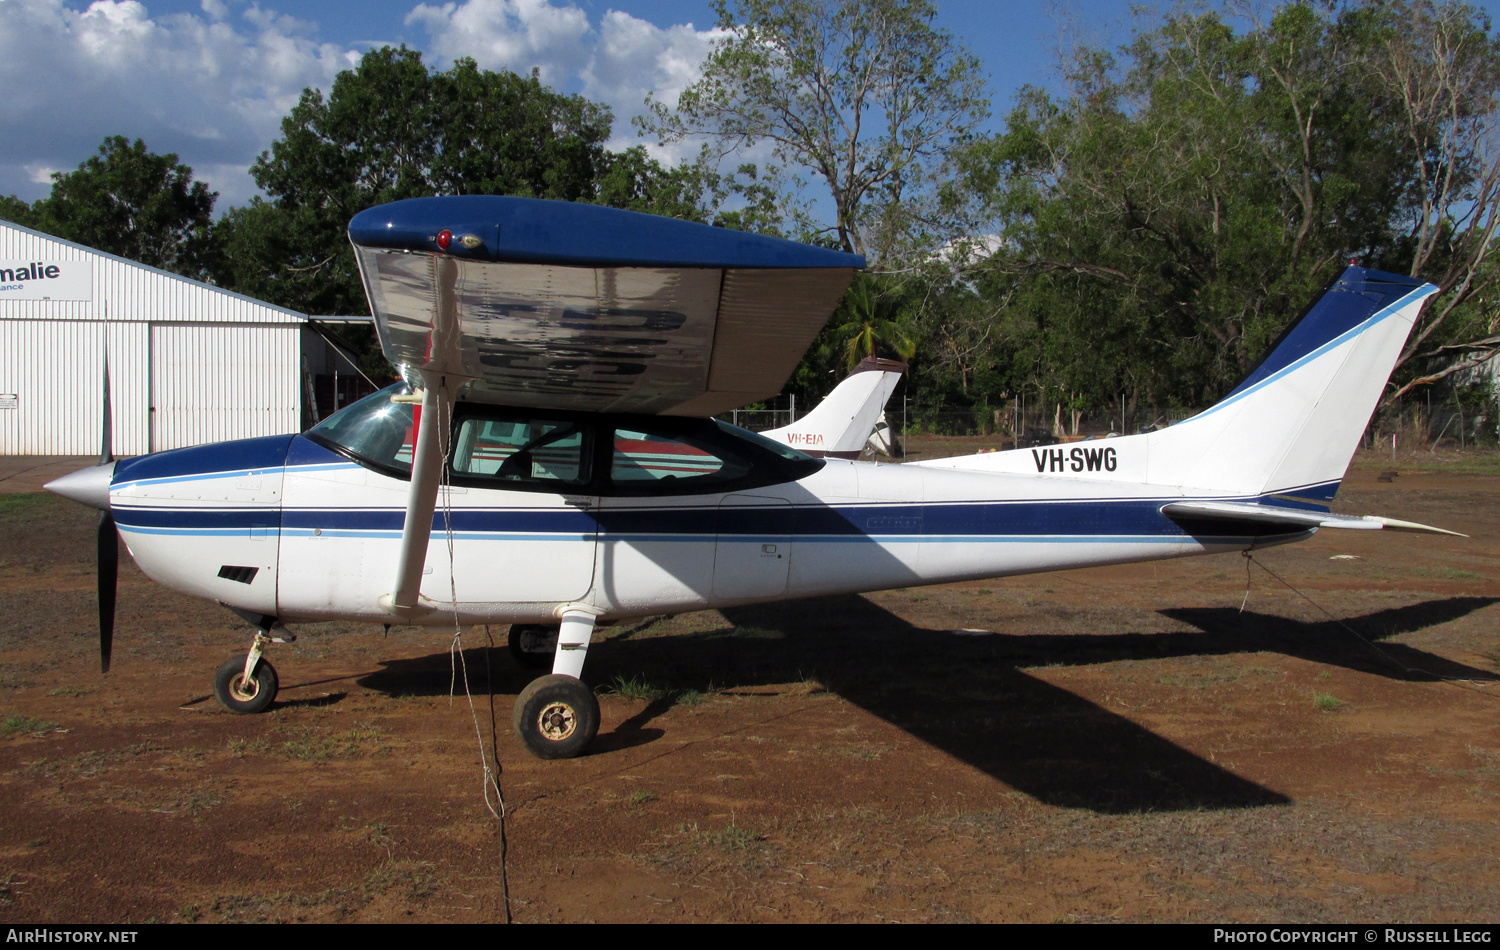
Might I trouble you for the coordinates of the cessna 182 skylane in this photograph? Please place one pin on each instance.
(563, 363)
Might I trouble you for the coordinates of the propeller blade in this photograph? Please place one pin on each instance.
(106, 446)
(109, 570)
(108, 545)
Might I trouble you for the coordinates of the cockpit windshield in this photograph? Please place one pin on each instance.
(375, 429)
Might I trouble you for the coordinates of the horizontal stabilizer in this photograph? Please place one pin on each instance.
(1237, 511)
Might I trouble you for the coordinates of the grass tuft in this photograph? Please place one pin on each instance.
(730, 839)
(1327, 702)
(309, 744)
(633, 688)
(21, 507)
(414, 881)
(16, 725)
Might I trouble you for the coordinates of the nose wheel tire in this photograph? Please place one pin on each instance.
(239, 695)
(532, 645)
(556, 717)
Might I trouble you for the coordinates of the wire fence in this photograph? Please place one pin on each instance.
(1435, 426)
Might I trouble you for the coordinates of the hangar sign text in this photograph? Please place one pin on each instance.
(46, 280)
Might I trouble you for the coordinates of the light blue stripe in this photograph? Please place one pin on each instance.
(171, 479)
(437, 536)
(267, 534)
(241, 473)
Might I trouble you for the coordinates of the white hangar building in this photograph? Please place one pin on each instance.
(189, 363)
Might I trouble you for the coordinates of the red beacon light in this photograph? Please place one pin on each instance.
(444, 239)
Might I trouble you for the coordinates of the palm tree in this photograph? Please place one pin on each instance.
(873, 324)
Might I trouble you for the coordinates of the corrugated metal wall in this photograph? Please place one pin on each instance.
(189, 363)
(212, 383)
(132, 291)
(55, 368)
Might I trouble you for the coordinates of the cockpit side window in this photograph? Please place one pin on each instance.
(547, 453)
(513, 449)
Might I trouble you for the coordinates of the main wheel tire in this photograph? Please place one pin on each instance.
(532, 644)
(556, 717)
(238, 696)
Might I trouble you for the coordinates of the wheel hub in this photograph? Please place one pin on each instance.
(238, 689)
(557, 721)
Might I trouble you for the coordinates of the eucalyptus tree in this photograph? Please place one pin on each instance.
(1171, 213)
(866, 96)
(1441, 64)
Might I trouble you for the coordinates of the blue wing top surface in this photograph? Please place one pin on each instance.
(558, 305)
(531, 230)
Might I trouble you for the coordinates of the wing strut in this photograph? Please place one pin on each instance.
(421, 500)
(439, 391)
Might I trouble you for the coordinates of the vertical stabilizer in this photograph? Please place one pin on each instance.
(1288, 430)
(843, 422)
(1294, 422)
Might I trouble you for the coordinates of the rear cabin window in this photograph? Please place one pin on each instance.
(642, 459)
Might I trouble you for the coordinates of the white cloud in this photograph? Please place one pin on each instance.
(213, 86)
(633, 58)
(518, 35)
(210, 90)
(617, 63)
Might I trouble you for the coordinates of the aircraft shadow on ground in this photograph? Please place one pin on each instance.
(971, 696)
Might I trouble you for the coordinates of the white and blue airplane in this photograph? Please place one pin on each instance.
(551, 461)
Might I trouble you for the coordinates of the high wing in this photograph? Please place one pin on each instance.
(551, 304)
(1250, 513)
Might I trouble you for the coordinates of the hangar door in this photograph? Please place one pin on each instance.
(214, 382)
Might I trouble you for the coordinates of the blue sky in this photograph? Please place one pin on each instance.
(211, 79)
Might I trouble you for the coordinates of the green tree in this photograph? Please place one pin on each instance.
(15, 210)
(1173, 212)
(869, 323)
(134, 203)
(866, 95)
(391, 129)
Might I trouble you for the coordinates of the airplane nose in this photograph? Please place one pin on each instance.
(88, 486)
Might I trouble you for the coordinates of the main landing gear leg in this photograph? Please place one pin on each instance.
(250, 686)
(557, 716)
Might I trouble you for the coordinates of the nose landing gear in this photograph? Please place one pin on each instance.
(249, 685)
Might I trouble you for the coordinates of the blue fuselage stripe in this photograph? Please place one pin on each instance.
(1114, 519)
